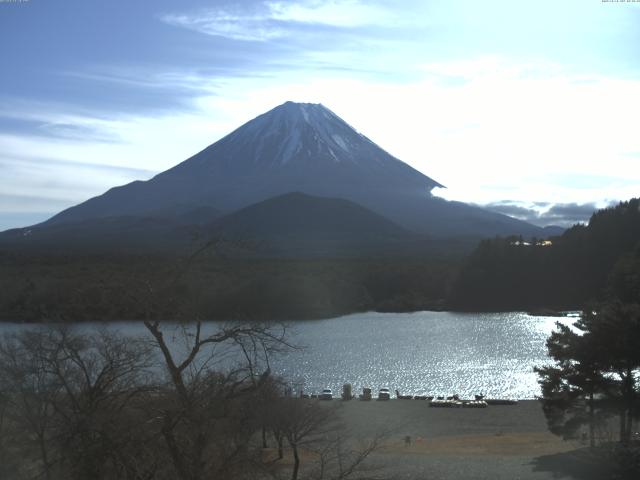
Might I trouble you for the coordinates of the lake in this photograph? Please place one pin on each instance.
(435, 353)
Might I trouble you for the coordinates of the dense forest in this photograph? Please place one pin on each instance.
(222, 281)
(214, 286)
(565, 273)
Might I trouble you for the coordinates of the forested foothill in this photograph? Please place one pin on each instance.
(228, 279)
(564, 273)
(216, 286)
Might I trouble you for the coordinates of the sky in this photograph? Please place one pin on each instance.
(529, 108)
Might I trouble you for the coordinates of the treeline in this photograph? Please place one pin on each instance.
(216, 286)
(516, 274)
(103, 406)
(224, 280)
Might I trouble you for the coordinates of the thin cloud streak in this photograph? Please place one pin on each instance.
(269, 21)
(31, 203)
(26, 161)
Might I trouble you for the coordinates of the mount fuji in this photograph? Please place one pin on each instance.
(296, 147)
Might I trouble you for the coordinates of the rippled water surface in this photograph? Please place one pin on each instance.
(435, 353)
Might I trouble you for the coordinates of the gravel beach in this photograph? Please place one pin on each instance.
(497, 442)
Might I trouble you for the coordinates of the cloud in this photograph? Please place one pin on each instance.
(18, 161)
(223, 24)
(34, 189)
(56, 130)
(271, 20)
(136, 76)
(544, 214)
(56, 120)
(76, 132)
(338, 13)
(47, 184)
(569, 212)
(513, 210)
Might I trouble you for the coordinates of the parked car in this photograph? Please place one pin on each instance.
(384, 394)
(326, 394)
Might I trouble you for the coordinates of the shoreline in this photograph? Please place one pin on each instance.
(571, 313)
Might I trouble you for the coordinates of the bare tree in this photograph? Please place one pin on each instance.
(69, 392)
(210, 418)
(100, 375)
(341, 457)
(100, 406)
(315, 430)
(30, 393)
(304, 423)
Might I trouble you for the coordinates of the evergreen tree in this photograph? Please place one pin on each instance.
(597, 362)
(570, 388)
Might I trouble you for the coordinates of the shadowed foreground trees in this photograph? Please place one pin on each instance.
(210, 416)
(189, 402)
(70, 402)
(594, 380)
(597, 363)
(595, 375)
(598, 359)
(314, 429)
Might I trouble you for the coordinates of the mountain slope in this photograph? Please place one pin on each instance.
(300, 224)
(107, 234)
(301, 214)
(292, 225)
(294, 147)
(304, 148)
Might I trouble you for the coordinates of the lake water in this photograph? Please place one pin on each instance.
(434, 353)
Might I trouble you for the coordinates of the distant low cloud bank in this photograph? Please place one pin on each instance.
(544, 214)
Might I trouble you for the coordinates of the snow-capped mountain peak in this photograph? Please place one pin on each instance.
(302, 130)
(295, 147)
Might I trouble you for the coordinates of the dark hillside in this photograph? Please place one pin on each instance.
(503, 274)
(300, 225)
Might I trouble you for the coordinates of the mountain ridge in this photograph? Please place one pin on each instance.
(285, 149)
